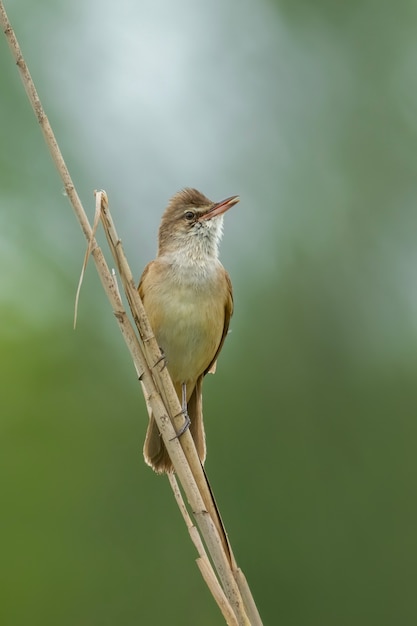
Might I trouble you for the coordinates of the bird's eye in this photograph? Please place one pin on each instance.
(189, 216)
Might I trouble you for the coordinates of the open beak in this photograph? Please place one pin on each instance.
(220, 207)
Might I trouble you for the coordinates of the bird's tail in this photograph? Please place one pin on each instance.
(154, 449)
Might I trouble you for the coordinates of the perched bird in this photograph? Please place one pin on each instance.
(187, 295)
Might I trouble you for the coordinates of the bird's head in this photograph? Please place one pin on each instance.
(193, 224)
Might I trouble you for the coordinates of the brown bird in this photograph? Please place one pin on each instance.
(187, 295)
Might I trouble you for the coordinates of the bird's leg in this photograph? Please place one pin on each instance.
(184, 411)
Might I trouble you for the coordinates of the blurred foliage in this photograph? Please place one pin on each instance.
(307, 110)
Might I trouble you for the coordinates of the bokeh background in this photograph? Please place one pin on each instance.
(308, 110)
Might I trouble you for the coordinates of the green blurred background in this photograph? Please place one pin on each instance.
(308, 111)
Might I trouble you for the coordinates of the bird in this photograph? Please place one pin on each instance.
(188, 298)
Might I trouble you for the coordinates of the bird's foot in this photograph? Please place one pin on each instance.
(185, 426)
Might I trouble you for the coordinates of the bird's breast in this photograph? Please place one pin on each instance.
(187, 317)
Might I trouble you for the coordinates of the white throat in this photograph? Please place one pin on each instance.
(196, 261)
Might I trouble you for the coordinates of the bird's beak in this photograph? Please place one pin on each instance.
(220, 207)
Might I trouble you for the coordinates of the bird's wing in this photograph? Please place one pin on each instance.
(142, 280)
(228, 312)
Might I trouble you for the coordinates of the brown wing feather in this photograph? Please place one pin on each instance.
(228, 312)
(143, 278)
